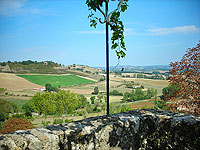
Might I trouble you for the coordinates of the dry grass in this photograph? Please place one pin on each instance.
(15, 83)
(37, 122)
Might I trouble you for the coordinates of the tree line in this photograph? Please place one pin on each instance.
(29, 62)
(139, 94)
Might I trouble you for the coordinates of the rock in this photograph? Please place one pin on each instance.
(134, 130)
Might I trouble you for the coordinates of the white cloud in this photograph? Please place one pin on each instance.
(10, 7)
(17, 7)
(129, 31)
(152, 31)
(166, 31)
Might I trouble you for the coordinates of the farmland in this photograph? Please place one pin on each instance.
(55, 80)
(20, 90)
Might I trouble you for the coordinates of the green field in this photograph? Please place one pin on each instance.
(55, 80)
(19, 102)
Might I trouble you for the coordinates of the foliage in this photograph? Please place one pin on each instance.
(96, 91)
(15, 124)
(30, 66)
(125, 108)
(89, 108)
(1, 125)
(55, 80)
(2, 90)
(82, 101)
(171, 91)
(185, 75)
(100, 98)
(114, 22)
(118, 108)
(139, 94)
(130, 84)
(42, 103)
(61, 102)
(81, 112)
(68, 120)
(102, 79)
(157, 77)
(92, 98)
(3, 116)
(28, 109)
(18, 102)
(45, 123)
(7, 107)
(49, 88)
(57, 121)
(116, 93)
(17, 116)
(66, 101)
(160, 104)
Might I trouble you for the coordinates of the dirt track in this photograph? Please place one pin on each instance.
(15, 83)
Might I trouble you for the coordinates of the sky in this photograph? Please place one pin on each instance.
(157, 32)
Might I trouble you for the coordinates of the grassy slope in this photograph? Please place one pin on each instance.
(55, 80)
(18, 101)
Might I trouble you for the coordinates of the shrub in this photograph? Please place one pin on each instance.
(45, 123)
(68, 120)
(7, 107)
(160, 104)
(1, 125)
(125, 108)
(2, 90)
(92, 99)
(18, 116)
(15, 124)
(57, 121)
(81, 112)
(3, 116)
(89, 108)
(96, 91)
(116, 93)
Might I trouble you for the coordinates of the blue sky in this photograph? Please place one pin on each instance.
(157, 32)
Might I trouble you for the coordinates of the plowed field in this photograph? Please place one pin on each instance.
(15, 83)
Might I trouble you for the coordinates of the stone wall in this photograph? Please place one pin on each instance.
(134, 130)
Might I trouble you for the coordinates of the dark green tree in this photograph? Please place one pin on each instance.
(48, 87)
(96, 91)
(92, 99)
(28, 109)
(82, 101)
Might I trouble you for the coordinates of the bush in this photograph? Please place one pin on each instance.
(45, 123)
(96, 109)
(81, 112)
(18, 116)
(160, 104)
(89, 108)
(15, 124)
(2, 90)
(92, 99)
(116, 93)
(1, 125)
(96, 91)
(68, 120)
(7, 107)
(3, 116)
(57, 121)
(125, 108)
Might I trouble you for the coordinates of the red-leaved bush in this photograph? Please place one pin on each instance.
(15, 124)
(186, 75)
